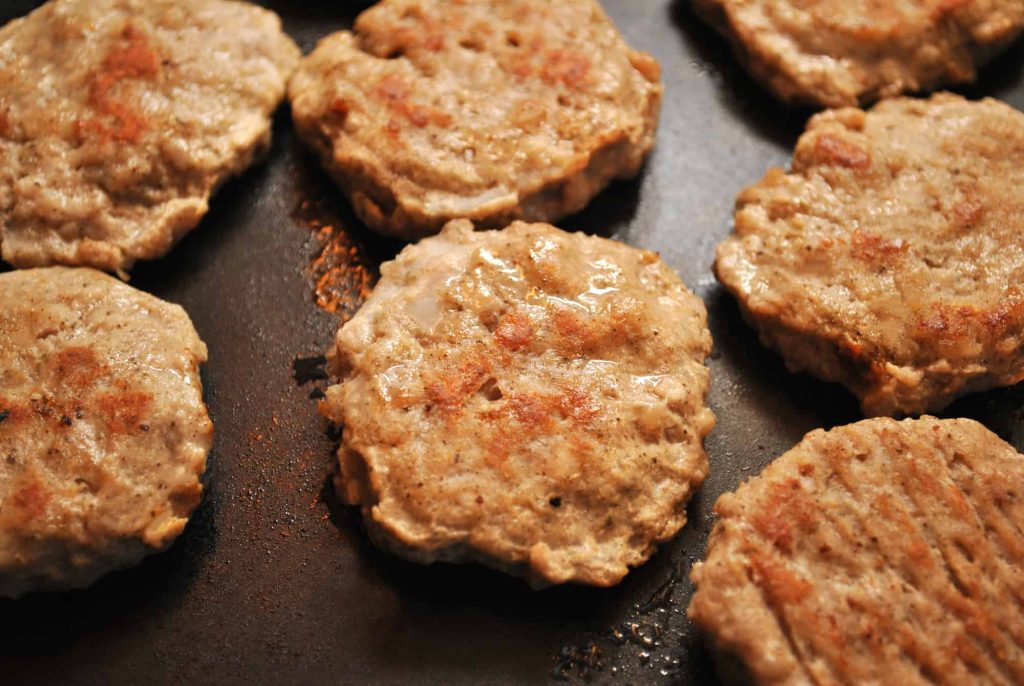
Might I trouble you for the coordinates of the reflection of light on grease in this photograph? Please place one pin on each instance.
(341, 280)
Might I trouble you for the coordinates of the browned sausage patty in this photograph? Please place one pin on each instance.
(891, 257)
(119, 118)
(490, 110)
(882, 552)
(526, 398)
(837, 53)
(103, 430)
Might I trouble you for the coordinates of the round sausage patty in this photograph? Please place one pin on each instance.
(837, 53)
(881, 552)
(103, 430)
(490, 110)
(119, 118)
(526, 398)
(891, 257)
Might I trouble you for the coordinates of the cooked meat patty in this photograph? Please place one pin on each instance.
(490, 110)
(103, 430)
(882, 552)
(844, 52)
(526, 398)
(891, 257)
(119, 118)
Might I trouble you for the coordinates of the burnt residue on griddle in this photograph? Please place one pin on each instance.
(343, 258)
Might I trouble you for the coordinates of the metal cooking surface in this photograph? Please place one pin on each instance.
(273, 582)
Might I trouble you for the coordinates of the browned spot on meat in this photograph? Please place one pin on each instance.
(394, 91)
(951, 325)
(579, 405)
(135, 59)
(836, 151)
(919, 552)
(13, 414)
(30, 498)
(392, 88)
(871, 247)
(791, 512)
(5, 125)
(457, 382)
(567, 67)
(434, 42)
(520, 66)
(968, 212)
(573, 335)
(1004, 315)
(782, 586)
(515, 331)
(775, 528)
(123, 412)
(78, 367)
(531, 410)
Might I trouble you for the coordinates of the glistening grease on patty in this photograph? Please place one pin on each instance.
(526, 398)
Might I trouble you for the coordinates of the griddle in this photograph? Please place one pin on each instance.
(274, 581)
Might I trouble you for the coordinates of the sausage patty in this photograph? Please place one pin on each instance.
(838, 53)
(891, 257)
(526, 398)
(882, 552)
(103, 430)
(119, 118)
(490, 110)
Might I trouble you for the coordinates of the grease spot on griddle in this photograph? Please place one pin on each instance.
(648, 639)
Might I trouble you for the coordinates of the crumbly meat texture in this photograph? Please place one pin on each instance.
(881, 552)
(838, 53)
(891, 257)
(119, 119)
(490, 110)
(526, 398)
(103, 430)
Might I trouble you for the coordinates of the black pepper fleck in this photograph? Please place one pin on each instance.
(4, 414)
(65, 420)
(556, 502)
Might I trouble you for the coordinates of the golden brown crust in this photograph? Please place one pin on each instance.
(837, 53)
(890, 258)
(103, 431)
(879, 552)
(117, 125)
(526, 398)
(489, 110)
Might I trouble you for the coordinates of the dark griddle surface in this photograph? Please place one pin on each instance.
(274, 582)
